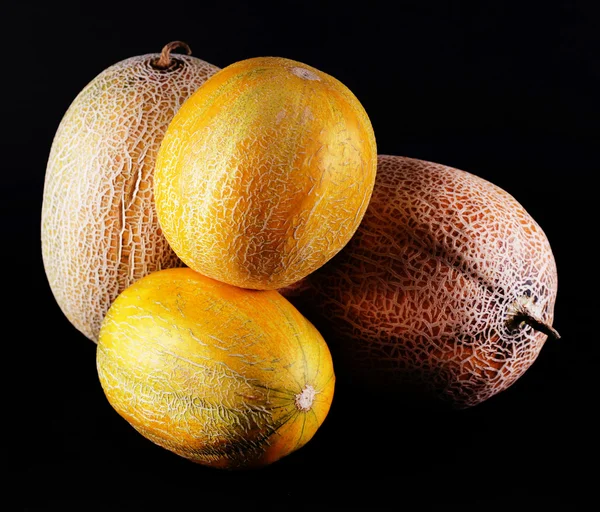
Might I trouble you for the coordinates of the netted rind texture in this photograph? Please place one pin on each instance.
(99, 228)
(424, 293)
(265, 173)
(220, 375)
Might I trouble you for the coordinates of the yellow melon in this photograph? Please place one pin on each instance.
(448, 286)
(265, 173)
(223, 376)
(99, 228)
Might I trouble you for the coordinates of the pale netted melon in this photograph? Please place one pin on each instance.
(99, 229)
(448, 286)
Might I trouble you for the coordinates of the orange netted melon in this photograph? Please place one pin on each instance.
(220, 375)
(447, 287)
(99, 228)
(265, 173)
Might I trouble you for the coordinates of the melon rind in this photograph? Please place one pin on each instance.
(423, 295)
(265, 173)
(99, 230)
(219, 375)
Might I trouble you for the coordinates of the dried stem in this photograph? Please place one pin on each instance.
(165, 61)
(523, 314)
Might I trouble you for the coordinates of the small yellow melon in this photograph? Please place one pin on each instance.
(265, 173)
(99, 229)
(223, 376)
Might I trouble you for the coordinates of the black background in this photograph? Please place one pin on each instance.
(507, 91)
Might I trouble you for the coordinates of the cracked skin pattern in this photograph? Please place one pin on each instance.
(425, 291)
(99, 228)
(265, 173)
(223, 376)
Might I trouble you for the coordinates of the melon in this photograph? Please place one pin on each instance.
(265, 173)
(99, 230)
(222, 376)
(447, 289)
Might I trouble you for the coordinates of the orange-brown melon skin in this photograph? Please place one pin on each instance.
(265, 173)
(421, 296)
(99, 230)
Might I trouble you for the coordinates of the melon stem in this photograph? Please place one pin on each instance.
(165, 61)
(523, 314)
